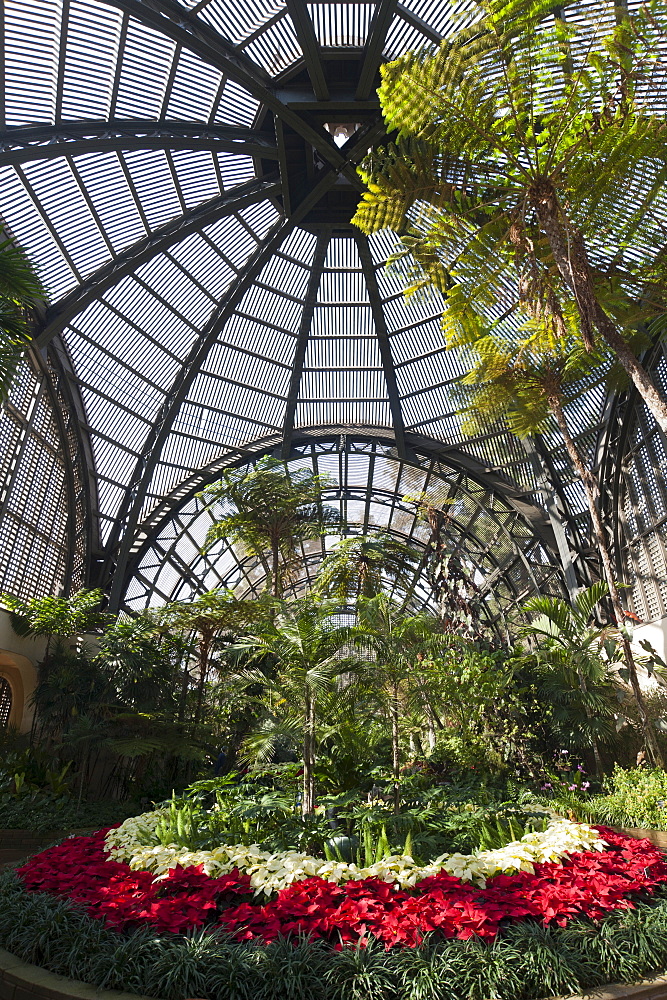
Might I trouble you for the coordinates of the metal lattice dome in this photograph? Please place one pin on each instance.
(183, 174)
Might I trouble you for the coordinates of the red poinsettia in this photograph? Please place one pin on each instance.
(589, 884)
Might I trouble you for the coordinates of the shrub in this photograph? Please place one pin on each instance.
(636, 797)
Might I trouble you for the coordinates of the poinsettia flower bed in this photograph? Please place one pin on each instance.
(590, 883)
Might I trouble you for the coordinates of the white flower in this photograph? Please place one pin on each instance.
(135, 842)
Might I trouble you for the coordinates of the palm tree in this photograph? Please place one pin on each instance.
(208, 616)
(530, 168)
(526, 382)
(20, 291)
(306, 643)
(571, 643)
(452, 585)
(270, 509)
(361, 565)
(395, 642)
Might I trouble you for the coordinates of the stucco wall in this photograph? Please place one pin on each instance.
(17, 665)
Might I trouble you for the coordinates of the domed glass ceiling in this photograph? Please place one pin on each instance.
(183, 175)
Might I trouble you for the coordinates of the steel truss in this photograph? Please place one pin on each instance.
(306, 182)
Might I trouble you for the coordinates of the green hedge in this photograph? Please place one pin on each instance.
(526, 962)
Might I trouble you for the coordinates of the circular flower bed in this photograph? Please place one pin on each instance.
(568, 871)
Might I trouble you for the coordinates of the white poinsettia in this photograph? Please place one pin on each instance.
(135, 842)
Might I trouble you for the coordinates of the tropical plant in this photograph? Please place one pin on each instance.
(453, 586)
(270, 509)
(530, 170)
(526, 380)
(20, 292)
(305, 640)
(210, 615)
(361, 565)
(579, 656)
(56, 616)
(393, 643)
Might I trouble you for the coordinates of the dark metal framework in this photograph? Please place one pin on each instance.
(173, 169)
(636, 496)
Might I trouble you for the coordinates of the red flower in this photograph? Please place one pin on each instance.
(589, 884)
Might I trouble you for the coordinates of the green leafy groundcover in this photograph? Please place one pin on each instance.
(525, 962)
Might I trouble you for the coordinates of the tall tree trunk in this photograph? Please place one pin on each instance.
(308, 798)
(589, 715)
(395, 746)
(204, 651)
(183, 700)
(275, 568)
(571, 256)
(592, 491)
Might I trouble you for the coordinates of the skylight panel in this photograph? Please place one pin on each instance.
(114, 463)
(31, 42)
(93, 33)
(177, 290)
(342, 286)
(262, 338)
(117, 383)
(152, 179)
(165, 333)
(431, 370)
(403, 37)
(233, 240)
(106, 186)
(445, 18)
(29, 227)
(144, 72)
(282, 311)
(259, 217)
(341, 24)
(406, 345)
(204, 262)
(239, 19)
(103, 415)
(234, 169)
(248, 366)
(237, 106)
(286, 275)
(63, 203)
(194, 88)
(276, 47)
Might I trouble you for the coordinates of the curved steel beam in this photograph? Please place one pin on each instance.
(456, 461)
(383, 340)
(46, 142)
(171, 19)
(372, 55)
(122, 538)
(303, 336)
(305, 34)
(61, 312)
(460, 461)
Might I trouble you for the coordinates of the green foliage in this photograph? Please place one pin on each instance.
(636, 797)
(363, 564)
(20, 292)
(526, 962)
(575, 663)
(432, 819)
(61, 616)
(268, 510)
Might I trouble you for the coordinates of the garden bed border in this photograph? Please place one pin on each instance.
(21, 981)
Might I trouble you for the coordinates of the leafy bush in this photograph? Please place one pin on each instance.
(636, 797)
(432, 820)
(526, 962)
(41, 812)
